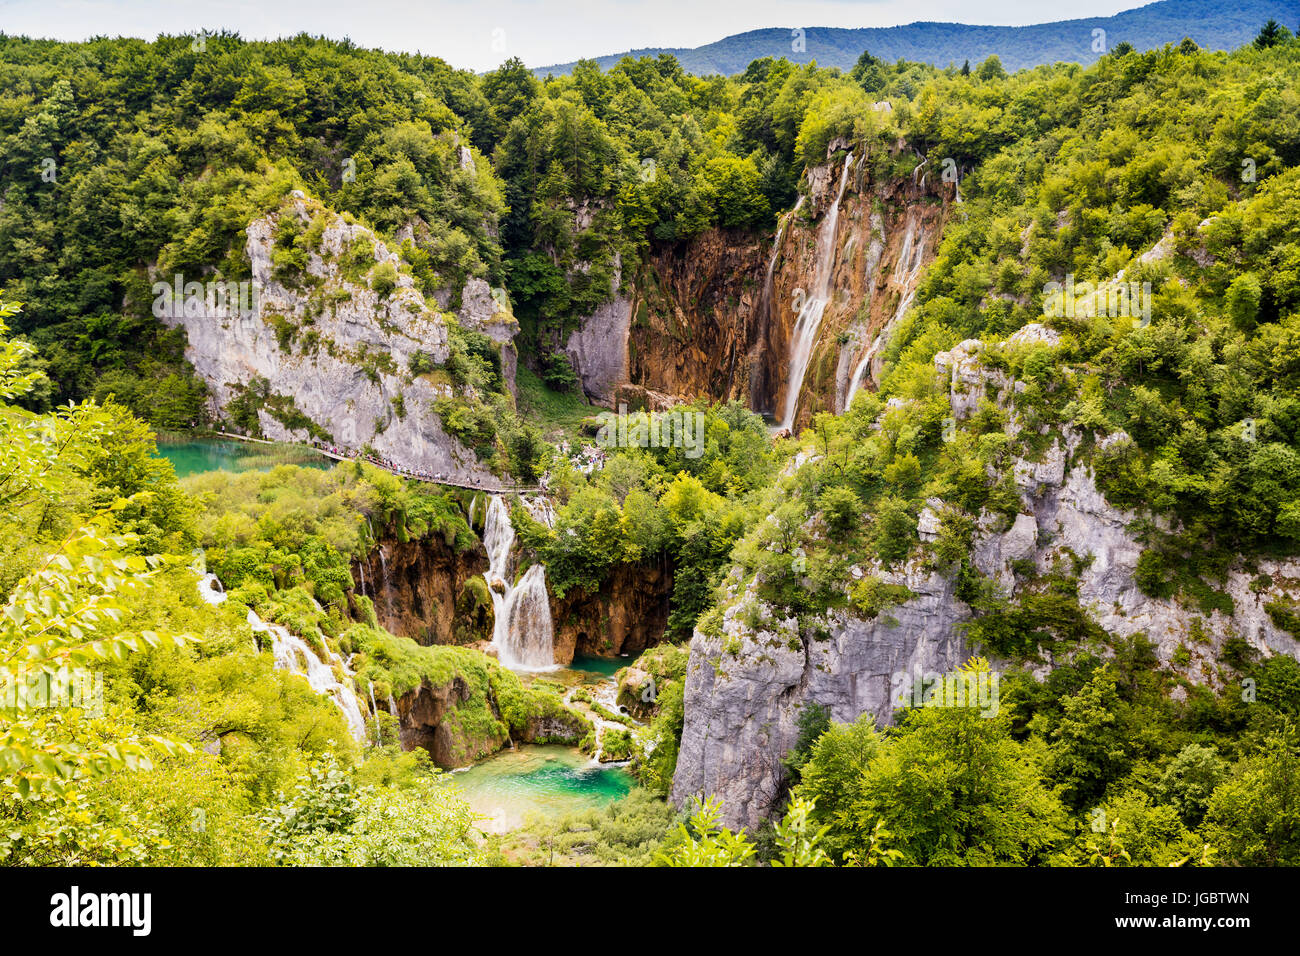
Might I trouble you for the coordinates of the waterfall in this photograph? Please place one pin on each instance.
(809, 322)
(521, 632)
(292, 653)
(374, 711)
(763, 311)
(361, 569)
(540, 510)
(388, 591)
(906, 271)
(210, 589)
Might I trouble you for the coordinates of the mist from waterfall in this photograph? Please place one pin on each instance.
(809, 321)
(522, 631)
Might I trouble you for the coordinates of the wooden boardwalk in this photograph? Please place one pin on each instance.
(498, 488)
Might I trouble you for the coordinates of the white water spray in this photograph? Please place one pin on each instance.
(292, 653)
(910, 259)
(809, 322)
(522, 632)
(374, 712)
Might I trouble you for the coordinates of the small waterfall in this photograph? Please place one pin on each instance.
(540, 510)
(292, 653)
(361, 569)
(521, 632)
(388, 591)
(809, 322)
(374, 712)
(210, 589)
(392, 704)
(906, 271)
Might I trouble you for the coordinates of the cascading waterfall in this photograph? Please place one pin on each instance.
(809, 322)
(293, 654)
(910, 258)
(540, 510)
(522, 632)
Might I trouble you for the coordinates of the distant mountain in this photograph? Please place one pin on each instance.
(1213, 24)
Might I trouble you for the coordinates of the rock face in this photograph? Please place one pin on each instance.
(745, 690)
(713, 316)
(427, 591)
(598, 350)
(746, 686)
(487, 310)
(329, 349)
(424, 722)
(429, 716)
(1066, 517)
(626, 617)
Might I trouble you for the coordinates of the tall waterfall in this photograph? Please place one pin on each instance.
(809, 322)
(763, 311)
(522, 633)
(906, 271)
(293, 654)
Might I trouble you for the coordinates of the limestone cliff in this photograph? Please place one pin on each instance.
(628, 615)
(714, 316)
(427, 591)
(327, 350)
(747, 682)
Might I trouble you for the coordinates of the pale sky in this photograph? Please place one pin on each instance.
(479, 34)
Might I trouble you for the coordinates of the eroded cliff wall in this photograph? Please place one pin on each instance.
(747, 684)
(714, 316)
(330, 346)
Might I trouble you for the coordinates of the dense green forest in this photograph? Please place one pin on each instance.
(123, 159)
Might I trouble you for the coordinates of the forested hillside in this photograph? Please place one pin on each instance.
(1098, 506)
(1212, 25)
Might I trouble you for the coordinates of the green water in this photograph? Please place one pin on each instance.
(194, 456)
(549, 781)
(600, 666)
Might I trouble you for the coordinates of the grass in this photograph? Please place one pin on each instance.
(552, 411)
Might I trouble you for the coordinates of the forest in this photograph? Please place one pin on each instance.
(122, 160)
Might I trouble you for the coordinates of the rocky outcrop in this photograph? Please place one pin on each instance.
(628, 615)
(487, 310)
(747, 683)
(327, 351)
(597, 350)
(746, 688)
(1066, 517)
(427, 591)
(428, 718)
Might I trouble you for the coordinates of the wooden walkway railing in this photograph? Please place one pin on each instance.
(330, 451)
